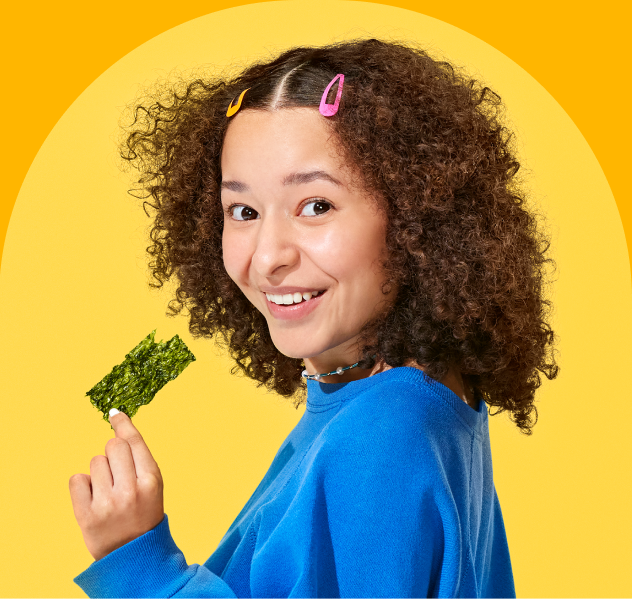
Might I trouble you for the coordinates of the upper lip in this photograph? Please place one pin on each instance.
(286, 290)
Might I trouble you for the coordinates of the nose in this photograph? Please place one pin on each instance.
(277, 246)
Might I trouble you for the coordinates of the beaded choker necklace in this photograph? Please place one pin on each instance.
(317, 377)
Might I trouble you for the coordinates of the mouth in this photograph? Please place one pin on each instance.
(294, 311)
(293, 299)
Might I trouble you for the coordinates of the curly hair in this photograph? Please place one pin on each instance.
(469, 260)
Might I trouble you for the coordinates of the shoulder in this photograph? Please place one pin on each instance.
(401, 405)
(405, 425)
(391, 430)
(378, 468)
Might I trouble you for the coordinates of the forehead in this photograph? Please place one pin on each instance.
(278, 140)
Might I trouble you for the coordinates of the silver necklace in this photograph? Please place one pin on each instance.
(317, 377)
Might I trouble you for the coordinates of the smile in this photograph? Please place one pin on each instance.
(306, 303)
(292, 298)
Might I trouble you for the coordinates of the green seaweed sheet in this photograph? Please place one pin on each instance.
(145, 370)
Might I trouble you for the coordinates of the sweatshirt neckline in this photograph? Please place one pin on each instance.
(321, 395)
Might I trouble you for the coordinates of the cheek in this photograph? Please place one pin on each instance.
(368, 261)
(233, 256)
(362, 249)
(330, 248)
(352, 255)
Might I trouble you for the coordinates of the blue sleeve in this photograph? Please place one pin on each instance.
(150, 566)
(361, 516)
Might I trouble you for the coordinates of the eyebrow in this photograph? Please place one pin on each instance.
(291, 179)
(300, 178)
(237, 186)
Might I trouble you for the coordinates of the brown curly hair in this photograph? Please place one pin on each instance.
(468, 258)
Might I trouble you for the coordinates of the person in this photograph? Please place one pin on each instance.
(348, 223)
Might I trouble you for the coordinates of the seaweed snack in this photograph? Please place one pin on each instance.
(145, 370)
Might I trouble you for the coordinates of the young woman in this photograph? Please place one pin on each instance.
(347, 219)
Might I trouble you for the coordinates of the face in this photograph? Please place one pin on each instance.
(294, 226)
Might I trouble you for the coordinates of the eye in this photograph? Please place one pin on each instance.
(315, 208)
(240, 212)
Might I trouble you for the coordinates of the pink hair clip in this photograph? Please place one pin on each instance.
(331, 109)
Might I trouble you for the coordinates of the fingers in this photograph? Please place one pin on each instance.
(80, 495)
(144, 462)
(122, 498)
(101, 476)
(121, 462)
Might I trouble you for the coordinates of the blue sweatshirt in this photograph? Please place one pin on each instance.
(383, 489)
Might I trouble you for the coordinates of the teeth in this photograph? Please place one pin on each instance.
(291, 298)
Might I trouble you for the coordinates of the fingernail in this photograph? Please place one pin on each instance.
(113, 412)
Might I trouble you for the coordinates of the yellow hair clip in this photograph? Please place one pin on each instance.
(233, 109)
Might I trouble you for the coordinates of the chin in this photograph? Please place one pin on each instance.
(293, 351)
(298, 349)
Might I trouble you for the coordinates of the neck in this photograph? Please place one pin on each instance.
(453, 379)
(314, 366)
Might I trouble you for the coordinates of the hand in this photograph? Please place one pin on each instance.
(122, 497)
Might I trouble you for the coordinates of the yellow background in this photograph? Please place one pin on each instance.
(73, 298)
